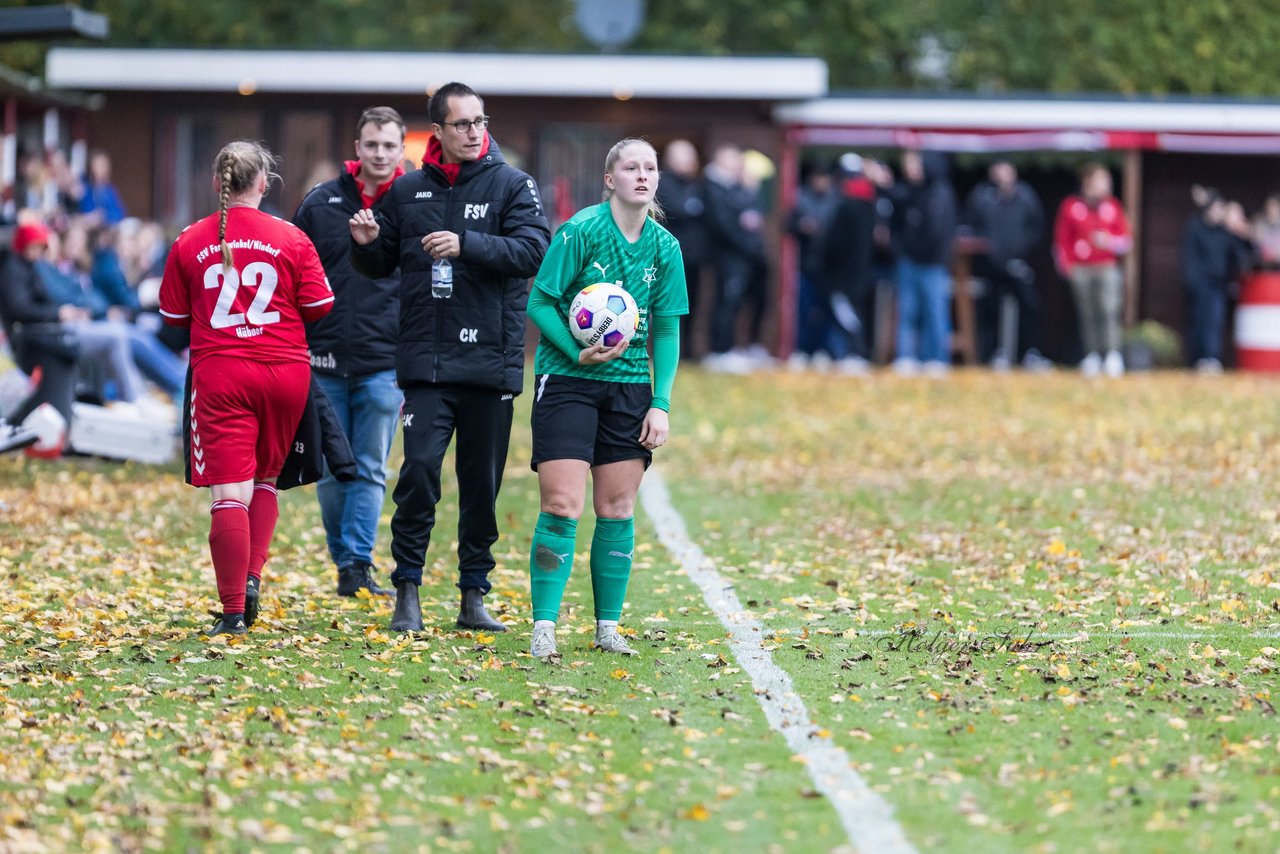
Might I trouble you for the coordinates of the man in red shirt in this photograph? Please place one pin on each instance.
(1090, 236)
(245, 282)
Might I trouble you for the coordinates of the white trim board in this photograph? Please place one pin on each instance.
(546, 75)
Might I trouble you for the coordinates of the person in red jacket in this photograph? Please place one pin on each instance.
(1090, 237)
(244, 282)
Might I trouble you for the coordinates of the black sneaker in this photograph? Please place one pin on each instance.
(369, 575)
(349, 577)
(228, 624)
(251, 599)
(358, 576)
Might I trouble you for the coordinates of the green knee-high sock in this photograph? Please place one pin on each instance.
(612, 546)
(550, 562)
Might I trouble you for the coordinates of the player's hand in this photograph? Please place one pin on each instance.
(656, 428)
(442, 244)
(598, 354)
(364, 227)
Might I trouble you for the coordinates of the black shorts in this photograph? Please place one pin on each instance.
(580, 419)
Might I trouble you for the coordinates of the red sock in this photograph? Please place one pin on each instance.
(264, 510)
(229, 547)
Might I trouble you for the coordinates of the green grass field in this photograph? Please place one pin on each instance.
(896, 539)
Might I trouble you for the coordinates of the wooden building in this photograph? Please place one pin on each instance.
(168, 111)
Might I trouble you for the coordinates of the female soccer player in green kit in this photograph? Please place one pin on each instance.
(594, 408)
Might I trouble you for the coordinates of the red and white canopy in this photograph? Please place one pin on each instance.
(1023, 124)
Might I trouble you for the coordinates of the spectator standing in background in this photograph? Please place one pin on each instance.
(924, 224)
(1090, 236)
(884, 259)
(681, 197)
(1266, 233)
(1236, 222)
(845, 271)
(1209, 261)
(808, 224)
(735, 226)
(1007, 213)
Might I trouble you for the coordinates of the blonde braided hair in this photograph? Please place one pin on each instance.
(224, 196)
(238, 167)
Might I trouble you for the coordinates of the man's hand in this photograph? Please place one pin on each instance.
(364, 227)
(442, 244)
(598, 354)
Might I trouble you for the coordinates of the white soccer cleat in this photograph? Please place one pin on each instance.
(1113, 365)
(544, 642)
(608, 640)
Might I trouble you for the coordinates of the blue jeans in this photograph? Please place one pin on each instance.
(368, 408)
(1208, 317)
(924, 312)
(158, 362)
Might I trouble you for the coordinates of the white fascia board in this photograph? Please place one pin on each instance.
(759, 78)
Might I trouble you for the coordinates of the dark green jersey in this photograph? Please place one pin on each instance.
(589, 249)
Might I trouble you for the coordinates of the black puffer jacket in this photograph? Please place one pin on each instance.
(358, 336)
(476, 337)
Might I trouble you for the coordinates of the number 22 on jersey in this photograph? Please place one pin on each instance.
(260, 276)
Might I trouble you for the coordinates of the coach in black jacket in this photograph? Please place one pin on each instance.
(353, 347)
(460, 359)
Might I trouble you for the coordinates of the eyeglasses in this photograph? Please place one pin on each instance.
(462, 126)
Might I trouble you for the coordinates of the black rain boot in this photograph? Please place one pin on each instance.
(252, 598)
(472, 615)
(369, 582)
(408, 613)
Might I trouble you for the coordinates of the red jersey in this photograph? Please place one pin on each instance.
(1090, 234)
(257, 312)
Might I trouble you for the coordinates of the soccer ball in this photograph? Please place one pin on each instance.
(603, 313)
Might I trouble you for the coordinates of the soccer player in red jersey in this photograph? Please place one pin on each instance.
(244, 282)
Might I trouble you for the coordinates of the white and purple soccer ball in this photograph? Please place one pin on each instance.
(603, 313)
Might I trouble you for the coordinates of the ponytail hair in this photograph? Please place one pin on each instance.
(654, 210)
(237, 168)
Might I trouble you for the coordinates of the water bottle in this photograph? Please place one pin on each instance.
(442, 279)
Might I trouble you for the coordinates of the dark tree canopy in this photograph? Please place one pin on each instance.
(1121, 46)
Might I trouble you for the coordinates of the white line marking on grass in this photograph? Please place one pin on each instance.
(867, 818)
(1090, 634)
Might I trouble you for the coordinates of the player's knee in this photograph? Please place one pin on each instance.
(563, 505)
(614, 506)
